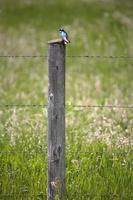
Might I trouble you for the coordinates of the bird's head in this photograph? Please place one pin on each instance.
(61, 29)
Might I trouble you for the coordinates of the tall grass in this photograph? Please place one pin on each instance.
(99, 152)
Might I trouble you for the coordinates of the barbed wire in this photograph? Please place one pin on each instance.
(23, 194)
(23, 56)
(68, 106)
(101, 56)
(22, 105)
(23, 152)
(26, 193)
(103, 106)
(45, 152)
(70, 56)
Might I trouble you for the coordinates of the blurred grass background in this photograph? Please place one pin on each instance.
(95, 28)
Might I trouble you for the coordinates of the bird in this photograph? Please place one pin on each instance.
(64, 35)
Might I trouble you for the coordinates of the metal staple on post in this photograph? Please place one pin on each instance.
(56, 120)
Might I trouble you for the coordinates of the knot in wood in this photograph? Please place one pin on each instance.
(51, 95)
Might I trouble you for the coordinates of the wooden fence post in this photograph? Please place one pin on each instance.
(56, 120)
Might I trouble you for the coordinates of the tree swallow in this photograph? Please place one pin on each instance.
(64, 36)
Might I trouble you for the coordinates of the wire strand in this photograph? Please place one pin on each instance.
(101, 56)
(23, 56)
(27, 193)
(70, 56)
(68, 106)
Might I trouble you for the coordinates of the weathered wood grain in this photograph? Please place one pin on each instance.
(56, 119)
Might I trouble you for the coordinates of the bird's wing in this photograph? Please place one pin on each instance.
(67, 37)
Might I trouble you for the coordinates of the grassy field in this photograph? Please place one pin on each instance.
(99, 141)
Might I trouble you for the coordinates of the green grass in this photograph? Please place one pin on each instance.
(99, 141)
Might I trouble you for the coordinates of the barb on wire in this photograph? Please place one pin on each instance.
(67, 106)
(71, 56)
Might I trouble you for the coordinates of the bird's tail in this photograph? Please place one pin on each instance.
(66, 41)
